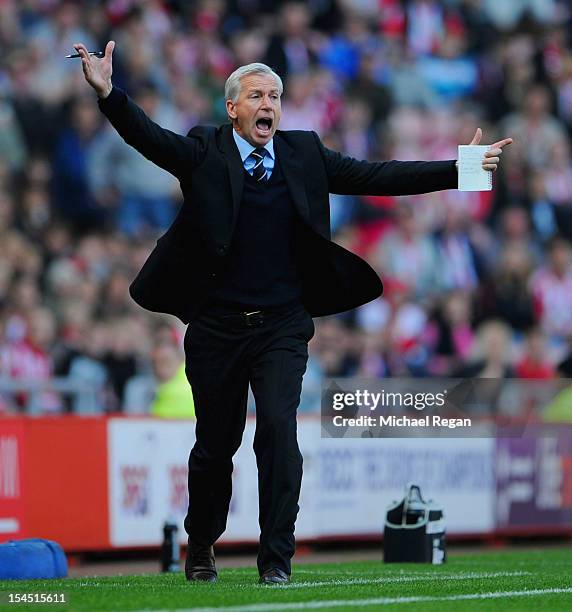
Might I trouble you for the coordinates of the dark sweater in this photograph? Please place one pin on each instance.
(261, 265)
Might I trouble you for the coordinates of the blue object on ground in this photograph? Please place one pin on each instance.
(32, 558)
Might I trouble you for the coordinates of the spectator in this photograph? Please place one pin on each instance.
(87, 368)
(288, 50)
(552, 290)
(407, 255)
(28, 359)
(449, 334)
(173, 398)
(533, 363)
(120, 358)
(542, 209)
(459, 264)
(491, 357)
(450, 74)
(72, 194)
(536, 125)
(506, 295)
(35, 213)
(515, 232)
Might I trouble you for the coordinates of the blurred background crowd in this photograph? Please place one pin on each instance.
(476, 284)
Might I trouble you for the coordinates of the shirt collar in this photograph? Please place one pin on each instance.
(245, 148)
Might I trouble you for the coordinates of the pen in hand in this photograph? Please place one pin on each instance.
(96, 53)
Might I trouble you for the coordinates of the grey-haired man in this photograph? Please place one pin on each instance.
(247, 263)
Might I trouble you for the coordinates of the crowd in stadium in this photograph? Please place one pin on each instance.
(476, 283)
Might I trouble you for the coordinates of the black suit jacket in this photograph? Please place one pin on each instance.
(182, 270)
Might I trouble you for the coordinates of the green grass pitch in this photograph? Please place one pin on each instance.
(493, 580)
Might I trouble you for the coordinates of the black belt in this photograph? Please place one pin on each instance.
(249, 316)
(253, 318)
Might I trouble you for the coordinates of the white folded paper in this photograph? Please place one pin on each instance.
(472, 175)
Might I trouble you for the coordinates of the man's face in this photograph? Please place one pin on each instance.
(256, 113)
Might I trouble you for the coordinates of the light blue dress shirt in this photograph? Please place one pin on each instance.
(245, 149)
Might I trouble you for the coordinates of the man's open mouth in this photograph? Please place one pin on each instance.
(264, 125)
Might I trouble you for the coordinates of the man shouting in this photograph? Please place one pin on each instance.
(247, 263)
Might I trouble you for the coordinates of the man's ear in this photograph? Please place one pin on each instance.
(231, 112)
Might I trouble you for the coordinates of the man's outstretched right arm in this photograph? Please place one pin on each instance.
(170, 151)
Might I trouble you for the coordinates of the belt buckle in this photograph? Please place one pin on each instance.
(250, 318)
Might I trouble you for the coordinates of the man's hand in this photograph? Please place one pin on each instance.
(97, 71)
(492, 156)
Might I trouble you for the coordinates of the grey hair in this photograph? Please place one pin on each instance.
(232, 85)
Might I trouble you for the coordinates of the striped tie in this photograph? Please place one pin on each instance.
(259, 171)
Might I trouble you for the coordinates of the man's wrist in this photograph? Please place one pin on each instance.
(102, 94)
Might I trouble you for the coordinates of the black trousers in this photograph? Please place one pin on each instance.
(224, 355)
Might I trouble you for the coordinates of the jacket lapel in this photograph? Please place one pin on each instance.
(235, 168)
(293, 174)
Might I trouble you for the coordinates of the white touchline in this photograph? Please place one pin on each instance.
(378, 601)
(394, 579)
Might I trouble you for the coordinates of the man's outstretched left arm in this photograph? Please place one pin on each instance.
(350, 176)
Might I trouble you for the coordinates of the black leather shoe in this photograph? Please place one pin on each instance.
(274, 576)
(200, 563)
